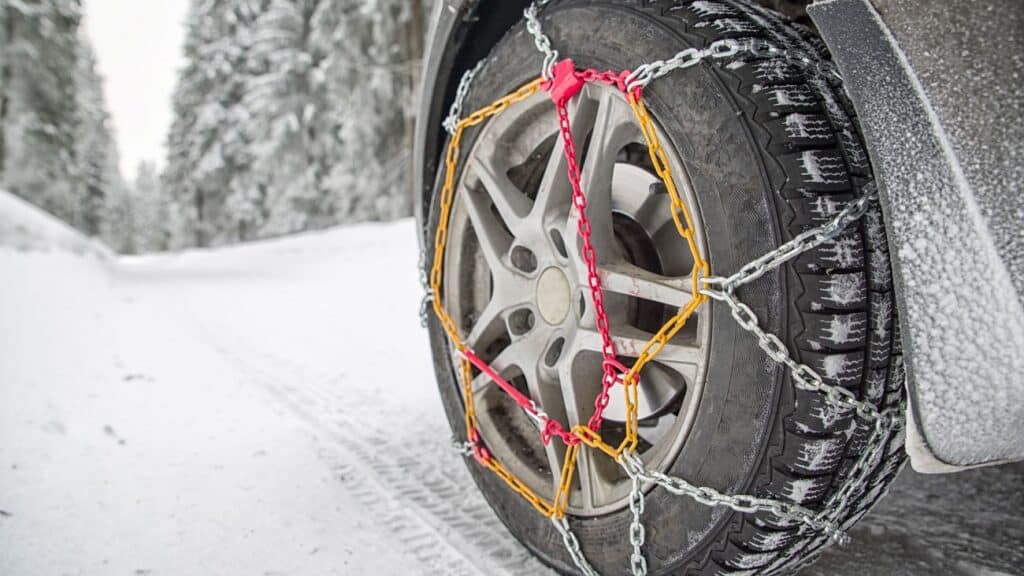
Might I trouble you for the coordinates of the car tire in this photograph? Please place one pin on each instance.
(772, 149)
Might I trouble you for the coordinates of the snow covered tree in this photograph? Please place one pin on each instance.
(292, 115)
(38, 106)
(150, 210)
(374, 57)
(207, 149)
(57, 149)
(284, 92)
(100, 183)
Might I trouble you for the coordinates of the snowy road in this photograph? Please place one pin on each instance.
(270, 409)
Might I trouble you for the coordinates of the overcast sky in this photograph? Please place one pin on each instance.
(139, 48)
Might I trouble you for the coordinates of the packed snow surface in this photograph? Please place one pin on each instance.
(271, 409)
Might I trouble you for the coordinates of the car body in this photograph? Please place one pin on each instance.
(937, 91)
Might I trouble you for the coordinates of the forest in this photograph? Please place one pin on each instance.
(289, 115)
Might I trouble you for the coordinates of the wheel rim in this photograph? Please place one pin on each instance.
(518, 289)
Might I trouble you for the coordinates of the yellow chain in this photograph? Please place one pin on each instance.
(684, 225)
(448, 192)
(436, 279)
(700, 266)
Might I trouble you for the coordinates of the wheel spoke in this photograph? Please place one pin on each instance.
(630, 341)
(508, 199)
(545, 391)
(631, 280)
(580, 384)
(489, 325)
(612, 130)
(555, 193)
(494, 240)
(522, 353)
(525, 355)
(509, 293)
(595, 482)
(660, 381)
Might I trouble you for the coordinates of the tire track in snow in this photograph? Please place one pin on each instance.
(423, 496)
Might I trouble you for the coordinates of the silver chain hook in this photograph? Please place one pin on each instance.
(540, 39)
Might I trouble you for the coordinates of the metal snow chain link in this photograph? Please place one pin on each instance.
(798, 245)
(631, 463)
(425, 306)
(428, 296)
(572, 545)
(644, 74)
(719, 49)
(727, 48)
(540, 39)
(463, 448)
(455, 110)
(722, 289)
(710, 497)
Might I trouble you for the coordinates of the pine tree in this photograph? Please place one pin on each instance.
(373, 49)
(100, 182)
(38, 106)
(281, 97)
(207, 148)
(57, 149)
(292, 115)
(150, 210)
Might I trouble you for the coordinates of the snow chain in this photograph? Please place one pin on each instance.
(562, 81)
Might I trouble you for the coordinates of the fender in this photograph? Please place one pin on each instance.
(940, 106)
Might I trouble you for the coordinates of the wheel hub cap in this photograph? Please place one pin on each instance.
(553, 296)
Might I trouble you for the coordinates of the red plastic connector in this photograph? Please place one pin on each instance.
(565, 82)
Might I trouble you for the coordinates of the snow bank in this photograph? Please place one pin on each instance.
(229, 411)
(24, 227)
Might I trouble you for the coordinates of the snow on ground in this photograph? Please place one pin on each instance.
(271, 409)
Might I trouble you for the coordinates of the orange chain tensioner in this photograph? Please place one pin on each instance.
(564, 83)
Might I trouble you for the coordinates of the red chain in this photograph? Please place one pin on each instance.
(565, 83)
(550, 427)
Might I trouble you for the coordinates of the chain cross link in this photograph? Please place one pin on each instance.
(644, 74)
(801, 243)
